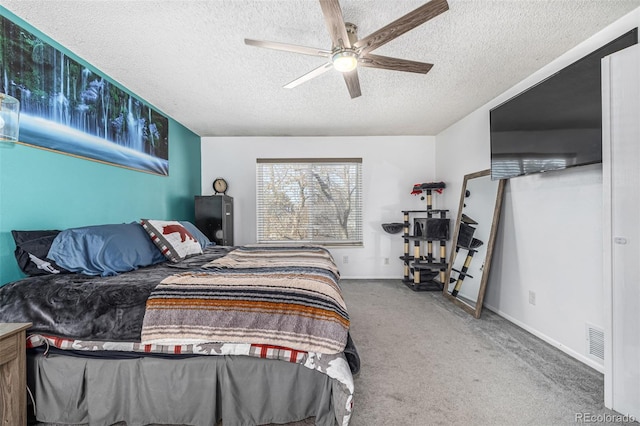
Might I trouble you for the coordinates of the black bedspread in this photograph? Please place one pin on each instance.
(72, 305)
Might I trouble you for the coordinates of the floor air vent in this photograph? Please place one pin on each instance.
(595, 342)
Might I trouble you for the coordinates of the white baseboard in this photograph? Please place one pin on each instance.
(580, 357)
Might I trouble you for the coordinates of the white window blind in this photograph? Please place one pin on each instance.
(315, 200)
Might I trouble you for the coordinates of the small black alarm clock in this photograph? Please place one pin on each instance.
(220, 186)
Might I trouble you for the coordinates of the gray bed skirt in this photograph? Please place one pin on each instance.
(195, 391)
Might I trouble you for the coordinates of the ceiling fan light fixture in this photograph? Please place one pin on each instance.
(345, 60)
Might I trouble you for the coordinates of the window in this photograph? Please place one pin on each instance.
(315, 200)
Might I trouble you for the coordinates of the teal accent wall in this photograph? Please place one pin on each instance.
(42, 189)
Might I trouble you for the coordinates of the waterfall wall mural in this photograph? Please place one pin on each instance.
(68, 107)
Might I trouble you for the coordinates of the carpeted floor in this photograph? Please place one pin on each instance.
(426, 362)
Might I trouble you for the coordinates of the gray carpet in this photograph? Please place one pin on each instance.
(426, 362)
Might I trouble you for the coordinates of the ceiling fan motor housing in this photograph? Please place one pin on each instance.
(345, 59)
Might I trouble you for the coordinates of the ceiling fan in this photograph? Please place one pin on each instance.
(349, 52)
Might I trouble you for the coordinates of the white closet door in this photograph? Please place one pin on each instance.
(621, 224)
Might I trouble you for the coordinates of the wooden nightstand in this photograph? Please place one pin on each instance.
(13, 374)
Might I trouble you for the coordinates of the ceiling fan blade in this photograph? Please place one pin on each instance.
(288, 47)
(308, 76)
(353, 83)
(394, 64)
(335, 23)
(401, 25)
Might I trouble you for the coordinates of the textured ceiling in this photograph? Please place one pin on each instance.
(188, 58)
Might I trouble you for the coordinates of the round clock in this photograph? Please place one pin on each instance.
(220, 185)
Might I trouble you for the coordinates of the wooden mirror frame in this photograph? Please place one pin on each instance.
(490, 244)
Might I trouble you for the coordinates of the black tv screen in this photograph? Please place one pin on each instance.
(555, 124)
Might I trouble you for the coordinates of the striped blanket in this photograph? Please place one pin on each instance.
(283, 296)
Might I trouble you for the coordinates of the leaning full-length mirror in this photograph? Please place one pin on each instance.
(473, 238)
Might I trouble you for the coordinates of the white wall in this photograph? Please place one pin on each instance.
(550, 237)
(390, 167)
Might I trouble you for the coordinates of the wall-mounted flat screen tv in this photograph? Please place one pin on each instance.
(555, 124)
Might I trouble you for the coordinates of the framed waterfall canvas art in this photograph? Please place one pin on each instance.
(68, 107)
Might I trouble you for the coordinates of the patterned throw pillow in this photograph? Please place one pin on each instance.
(173, 239)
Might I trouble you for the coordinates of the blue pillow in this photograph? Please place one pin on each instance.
(197, 234)
(104, 249)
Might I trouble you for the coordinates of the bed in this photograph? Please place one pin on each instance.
(244, 335)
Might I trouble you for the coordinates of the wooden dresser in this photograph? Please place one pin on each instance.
(13, 374)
